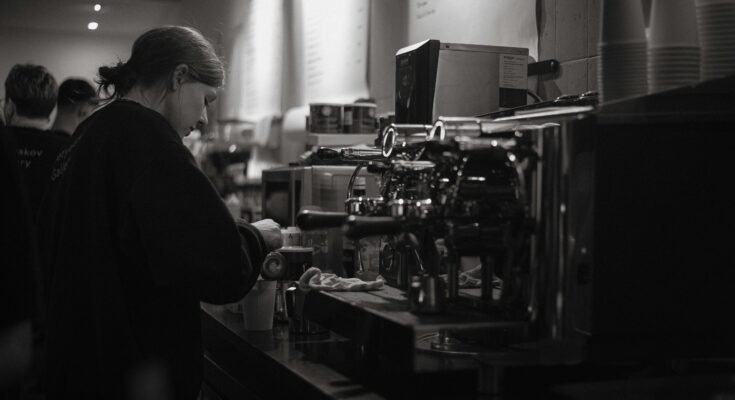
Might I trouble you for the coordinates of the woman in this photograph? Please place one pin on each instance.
(135, 236)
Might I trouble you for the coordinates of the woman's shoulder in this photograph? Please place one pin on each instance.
(125, 113)
(127, 130)
(130, 121)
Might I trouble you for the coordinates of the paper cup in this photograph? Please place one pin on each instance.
(622, 22)
(716, 20)
(714, 2)
(257, 306)
(622, 70)
(673, 23)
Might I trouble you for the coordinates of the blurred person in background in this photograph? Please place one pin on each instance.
(134, 235)
(30, 99)
(76, 101)
(17, 288)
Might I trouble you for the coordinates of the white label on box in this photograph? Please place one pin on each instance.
(513, 71)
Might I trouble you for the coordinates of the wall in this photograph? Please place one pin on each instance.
(397, 23)
(569, 32)
(389, 26)
(64, 55)
(212, 19)
(388, 34)
(68, 54)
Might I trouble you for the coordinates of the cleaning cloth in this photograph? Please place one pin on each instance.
(314, 278)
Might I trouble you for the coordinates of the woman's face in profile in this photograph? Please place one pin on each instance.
(187, 105)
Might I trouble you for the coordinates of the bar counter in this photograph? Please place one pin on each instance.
(242, 364)
(274, 364)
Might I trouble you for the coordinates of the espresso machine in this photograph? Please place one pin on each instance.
(607, 227)
(445, 182)
(404, 190)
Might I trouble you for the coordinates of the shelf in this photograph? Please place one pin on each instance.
(340, 139)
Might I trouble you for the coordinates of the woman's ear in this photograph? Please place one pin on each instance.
(179, 76)
(8, 111)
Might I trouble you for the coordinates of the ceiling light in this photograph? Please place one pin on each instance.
(97, 7)
(92, 26)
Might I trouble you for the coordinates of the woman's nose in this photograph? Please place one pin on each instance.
(203, 118)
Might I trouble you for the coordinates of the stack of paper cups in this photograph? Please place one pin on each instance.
(622, 48)
(673, 45)
(258, 306)
(716, 20)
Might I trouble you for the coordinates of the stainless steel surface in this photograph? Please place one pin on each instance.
(440, 343)
(449, 127)
(361, 154)
(364, 205)
(497, 191)
(417, 208)
(297, 323)
(436, 79)
(552, 200)
(404, 138)
(289, 190)
(427, 295)
(280, 314)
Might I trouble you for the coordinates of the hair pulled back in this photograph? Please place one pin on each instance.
(156, 54)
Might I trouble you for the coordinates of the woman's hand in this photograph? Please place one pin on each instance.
(271, 232)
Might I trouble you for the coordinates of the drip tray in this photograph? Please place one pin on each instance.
(435, 344)
(400, 341)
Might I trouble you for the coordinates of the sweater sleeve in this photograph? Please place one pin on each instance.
(256, 246)
(188, 237)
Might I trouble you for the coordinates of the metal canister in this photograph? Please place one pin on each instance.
(359, 118)
(325, 117)
(427, 295)
(294, 298)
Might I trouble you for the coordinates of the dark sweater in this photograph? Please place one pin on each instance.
(37, 150)
(133, 237)
(16, 247)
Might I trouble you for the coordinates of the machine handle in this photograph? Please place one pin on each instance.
(310, 220)
(357, 227)
(325, 153)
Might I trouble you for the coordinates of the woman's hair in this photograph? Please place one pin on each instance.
(156, 54)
